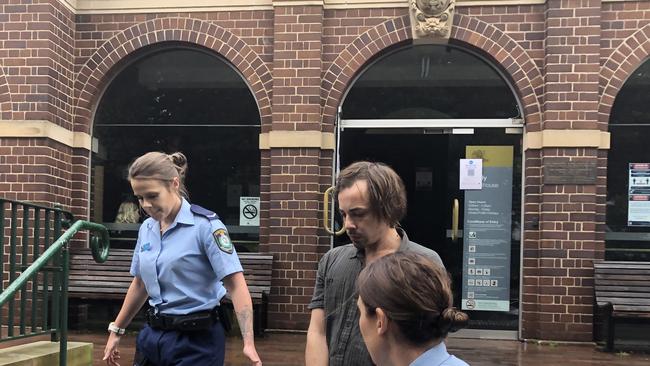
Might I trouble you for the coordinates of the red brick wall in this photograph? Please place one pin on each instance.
(293, 228)
(565, 59)
(5, 97)
(294, 184)
(625, 46)
(36, 53)
(36, 170)
(523, 23)
(255, 28)
(620, 20)
(560, 276)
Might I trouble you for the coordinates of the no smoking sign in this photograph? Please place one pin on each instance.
(249, 211)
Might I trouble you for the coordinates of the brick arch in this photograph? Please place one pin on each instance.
(626, 58)
(501, 48)
(94, 75)
(5, 97)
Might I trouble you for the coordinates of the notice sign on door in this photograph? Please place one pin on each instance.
(487, 232)
(471, 174)
(638, 209)
(249, 211)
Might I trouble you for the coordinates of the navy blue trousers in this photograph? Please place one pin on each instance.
(172, 348)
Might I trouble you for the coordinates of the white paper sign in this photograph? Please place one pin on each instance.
(638, 209)
(249, 211)
(471, 174)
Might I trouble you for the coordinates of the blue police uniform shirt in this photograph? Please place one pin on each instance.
(438, 356)
(183, 270)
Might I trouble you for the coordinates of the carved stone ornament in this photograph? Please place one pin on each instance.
(431, 19)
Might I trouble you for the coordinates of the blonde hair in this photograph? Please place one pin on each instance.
(127, 213)
(161, 166)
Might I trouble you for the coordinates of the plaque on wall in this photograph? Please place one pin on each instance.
(570, 172)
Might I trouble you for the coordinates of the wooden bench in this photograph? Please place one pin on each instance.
(111, 279)
(623, 291)
(258, 272)
(91, 280)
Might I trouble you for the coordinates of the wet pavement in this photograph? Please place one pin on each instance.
(282, 349)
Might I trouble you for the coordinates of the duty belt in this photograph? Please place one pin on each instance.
(201, 320)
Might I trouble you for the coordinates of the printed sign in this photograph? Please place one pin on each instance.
(249, 211)
(487, 232)
(471, 174)
(638, 209)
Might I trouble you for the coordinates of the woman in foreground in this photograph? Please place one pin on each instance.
(405, 305)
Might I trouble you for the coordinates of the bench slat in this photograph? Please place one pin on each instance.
(625, 300)
(622, 277)
(632, 308)
(601, 294)
(632, 314)
(641, 289)
(618, 283)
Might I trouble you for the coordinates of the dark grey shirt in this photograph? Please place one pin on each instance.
(335, 293)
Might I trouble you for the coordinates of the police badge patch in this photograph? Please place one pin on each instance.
(223, 240)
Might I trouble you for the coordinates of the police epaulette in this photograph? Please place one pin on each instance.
(204, 212)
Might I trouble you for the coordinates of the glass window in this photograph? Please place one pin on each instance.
(628, 233)
(430, 82)
(179, 100)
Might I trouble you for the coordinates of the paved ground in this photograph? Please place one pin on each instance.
(279, 349)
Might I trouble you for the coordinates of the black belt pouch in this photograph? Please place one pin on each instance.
(193, 322)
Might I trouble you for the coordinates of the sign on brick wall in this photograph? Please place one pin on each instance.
(570, 172)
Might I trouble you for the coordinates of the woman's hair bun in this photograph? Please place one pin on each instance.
(180, 161)
(452, 320)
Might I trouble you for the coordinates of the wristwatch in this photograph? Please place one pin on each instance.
(115, 329)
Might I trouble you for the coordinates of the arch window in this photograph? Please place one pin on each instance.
(179, 99)
(628, 171)
(430, 82)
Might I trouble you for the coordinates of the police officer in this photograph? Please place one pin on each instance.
(182, 257)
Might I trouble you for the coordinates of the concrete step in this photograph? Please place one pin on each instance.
(44, 353)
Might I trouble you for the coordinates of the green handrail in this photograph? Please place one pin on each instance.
(100, 250)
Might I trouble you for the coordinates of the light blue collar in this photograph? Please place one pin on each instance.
(433, 356)
(185, 215)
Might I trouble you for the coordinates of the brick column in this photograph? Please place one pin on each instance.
(36, 55)
(295, 169)
(558, 284)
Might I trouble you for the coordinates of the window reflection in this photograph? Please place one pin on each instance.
(629, 127)
(179, 100)
(432, 82)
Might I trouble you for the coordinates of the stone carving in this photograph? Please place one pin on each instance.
(431, 19)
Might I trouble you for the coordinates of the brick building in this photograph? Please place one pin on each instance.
(269, 97)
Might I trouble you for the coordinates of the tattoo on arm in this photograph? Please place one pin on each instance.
(245, 319)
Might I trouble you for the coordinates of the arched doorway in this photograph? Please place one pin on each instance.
(628, 171)
(178, 98)
(435, 113)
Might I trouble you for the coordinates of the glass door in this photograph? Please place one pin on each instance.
(482, 242)
(475, 231)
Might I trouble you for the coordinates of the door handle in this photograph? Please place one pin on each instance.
(326, 218)
(454, 220)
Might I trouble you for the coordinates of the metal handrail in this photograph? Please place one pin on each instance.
(100, 248)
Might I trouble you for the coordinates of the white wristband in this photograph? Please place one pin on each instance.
(115, 329)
